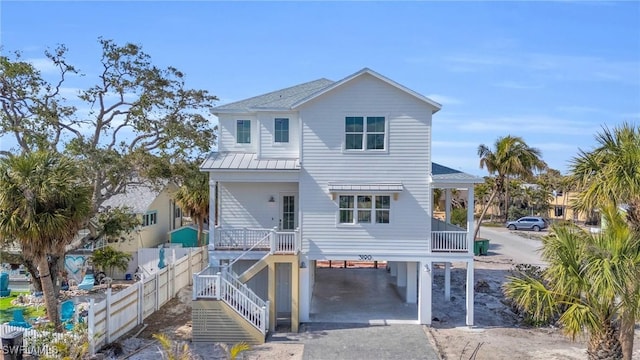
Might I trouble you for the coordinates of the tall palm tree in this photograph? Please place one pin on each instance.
(609, 174)
(511, 156)
(586, 282)
(193, 198)
(42, 206)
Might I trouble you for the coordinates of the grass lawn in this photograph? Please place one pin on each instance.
(6, 308)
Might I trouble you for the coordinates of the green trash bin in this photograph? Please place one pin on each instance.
(481, 247)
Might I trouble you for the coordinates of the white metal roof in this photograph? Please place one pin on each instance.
(347, 187)
(246, 161)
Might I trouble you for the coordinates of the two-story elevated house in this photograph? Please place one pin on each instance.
(325, 170)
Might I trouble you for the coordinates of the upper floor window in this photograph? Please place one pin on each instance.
(281, 130)
(177, 212)
(150, 218)
(365, 135)
(243, 131)
(364, 209)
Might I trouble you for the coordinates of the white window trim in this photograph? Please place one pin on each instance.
(281, 143)
(364, 149)
(149, 213)
(355, 210)
(250, 132)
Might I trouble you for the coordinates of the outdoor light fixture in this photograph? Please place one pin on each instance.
(272, 199)
(303, 265)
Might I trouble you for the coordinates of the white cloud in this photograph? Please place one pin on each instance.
(509, 84)
(444, 99)
(44, 65)
(525, 124)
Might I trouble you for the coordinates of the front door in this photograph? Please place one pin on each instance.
(288, 212)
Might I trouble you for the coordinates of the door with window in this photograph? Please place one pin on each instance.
(288, 212)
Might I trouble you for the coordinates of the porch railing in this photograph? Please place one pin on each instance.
(279, 242)
(226, 287)
(449, 241)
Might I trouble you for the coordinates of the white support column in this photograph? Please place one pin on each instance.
(412, 282)
(447, 206)
(447, 281)
(470, 219)
(393, 267)
(402, 274)
(305, 290)
(212, 205)
(470, 292)
(424, 297)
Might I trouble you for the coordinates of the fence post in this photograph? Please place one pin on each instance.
(107, 318)
(157, 289)
(190, 272)
(195, 287)
(217, 286)
(140, 286)
(91, 323)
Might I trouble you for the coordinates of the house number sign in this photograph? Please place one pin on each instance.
(365, 257)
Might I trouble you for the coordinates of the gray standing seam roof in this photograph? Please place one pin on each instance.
(137, 197)
(246, 161)
(279, 99)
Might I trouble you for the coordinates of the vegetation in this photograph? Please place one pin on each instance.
(193, 197)
(172, 350)
(608, 175)
(144, 122)
(586, 283)
(42, 206)
(510, 157)
(110, 259)
(6, 308)
(74, 345)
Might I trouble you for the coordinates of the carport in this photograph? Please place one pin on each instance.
(359, 295)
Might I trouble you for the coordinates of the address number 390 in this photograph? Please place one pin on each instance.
(365, 257)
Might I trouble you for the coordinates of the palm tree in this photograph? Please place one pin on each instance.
(193, 198)
(609, 174)
(511, 156)
(42, 206)
(586, 282)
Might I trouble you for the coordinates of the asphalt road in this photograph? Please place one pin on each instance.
(520, 249)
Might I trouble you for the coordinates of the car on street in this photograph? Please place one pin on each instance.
(535, 223)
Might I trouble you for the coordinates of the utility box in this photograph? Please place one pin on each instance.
(12, 348)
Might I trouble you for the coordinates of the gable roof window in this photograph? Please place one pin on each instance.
(243, 131)
(365, 133)
(281, 130)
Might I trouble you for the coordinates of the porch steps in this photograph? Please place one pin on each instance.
(216, 321)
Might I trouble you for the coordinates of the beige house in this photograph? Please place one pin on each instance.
(560, 208)
(156, 210)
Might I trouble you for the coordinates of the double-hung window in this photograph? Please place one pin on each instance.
(243, 131)
(150, 218)
(364, 209)
(365, 133)
(281, 130)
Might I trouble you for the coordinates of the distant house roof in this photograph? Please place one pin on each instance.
(137, 197)
(295, 96)
(441, 173)
(246, 161)
(280, 99)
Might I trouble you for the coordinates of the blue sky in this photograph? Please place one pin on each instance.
(551, 72)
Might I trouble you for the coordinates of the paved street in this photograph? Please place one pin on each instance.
(505, 242)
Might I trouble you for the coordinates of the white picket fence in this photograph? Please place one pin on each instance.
(119, 313)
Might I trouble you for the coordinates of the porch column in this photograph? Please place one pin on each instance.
(305, 289)
(271, 290)
(447, 281)
(295, 294)
(447, 206)
(212, 214)
(470, 219)
(393, 267)
(412, 282)
(402, 274)
(424, 298)
(470, 291)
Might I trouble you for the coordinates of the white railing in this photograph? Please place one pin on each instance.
(244, 238)
(280, 242)
(449, 241)
(226, 287)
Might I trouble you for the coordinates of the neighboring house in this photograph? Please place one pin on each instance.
(187, 236)
(560, 208)
(323, 171)
(156, 210)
